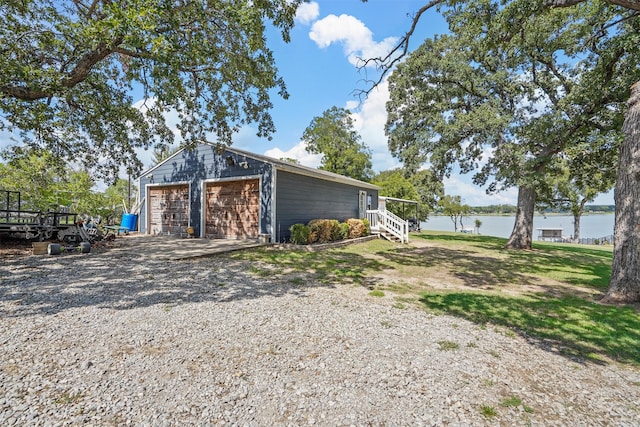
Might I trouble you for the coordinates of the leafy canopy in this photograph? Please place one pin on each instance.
(421, 186)
(511, 88)
(333, 135)
(44, 185)
(453, 207)
(69, 69)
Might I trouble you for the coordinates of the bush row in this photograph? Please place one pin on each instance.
(328, 230)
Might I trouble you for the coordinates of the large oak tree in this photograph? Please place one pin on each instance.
(70, 71)
(333, 135)
(507, 87)
(624, 285)
(606, 41)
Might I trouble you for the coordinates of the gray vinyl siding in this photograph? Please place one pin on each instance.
(202, 164)
(300, 198)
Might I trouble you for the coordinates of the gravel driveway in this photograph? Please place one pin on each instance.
(113, 339)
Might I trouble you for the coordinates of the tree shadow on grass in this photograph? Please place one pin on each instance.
(483, 261)
(474, 270)
(328, 266)
(573, 327)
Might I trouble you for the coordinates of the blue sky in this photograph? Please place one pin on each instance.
(319, 66)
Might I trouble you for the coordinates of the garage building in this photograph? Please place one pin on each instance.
(233, 194)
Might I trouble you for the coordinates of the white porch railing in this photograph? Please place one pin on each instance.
(384, 221)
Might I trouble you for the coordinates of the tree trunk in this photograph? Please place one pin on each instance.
(521, 236)
(577, 214)
(624, 285)
(576, 228)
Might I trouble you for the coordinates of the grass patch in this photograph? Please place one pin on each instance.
(376, 293)
(547, 294)
(330, 266)
(488, 411)
(260, 272)
(448, 345)
(297, 281)
(68, 398)
(515, 402)
(512, 402)
(386, 324)
(571, 325)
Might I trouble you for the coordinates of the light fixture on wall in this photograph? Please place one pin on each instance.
(150, 176)
(245, 165)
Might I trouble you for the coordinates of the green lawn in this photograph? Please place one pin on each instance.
(548, 294)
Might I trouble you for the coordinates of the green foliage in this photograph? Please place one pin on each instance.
(333, 135)
(367, 227)
(495, 286)
(328, 230)
(45, 185)
(515, 402)
(513, 87)
(68, 90)
(161, 153)
(453, 207)
(394, 184)
(448, 345)
(38, 177)
(488, 411)
(344, 230)
(299, 234)
(376, 293)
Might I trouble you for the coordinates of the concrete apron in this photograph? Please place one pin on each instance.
(173, 248)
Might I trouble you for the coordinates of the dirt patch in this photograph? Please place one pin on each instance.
(14, 248)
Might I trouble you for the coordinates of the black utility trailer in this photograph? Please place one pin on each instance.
(37, 225)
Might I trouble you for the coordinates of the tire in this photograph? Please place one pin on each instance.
(85, 247)
(53, 249)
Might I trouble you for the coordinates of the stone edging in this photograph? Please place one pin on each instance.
(323, 246)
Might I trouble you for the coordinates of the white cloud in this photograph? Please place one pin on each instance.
(369, 118)
(307, 13)
(297, 152)
(356, 38)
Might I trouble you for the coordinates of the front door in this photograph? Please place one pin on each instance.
(362, 204)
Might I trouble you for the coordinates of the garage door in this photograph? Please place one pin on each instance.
(232, 209)
(169, 210)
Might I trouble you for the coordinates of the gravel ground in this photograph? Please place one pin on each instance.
(105, 339)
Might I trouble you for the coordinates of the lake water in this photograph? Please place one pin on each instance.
(594, 226)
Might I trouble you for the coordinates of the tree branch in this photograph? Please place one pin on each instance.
(386, 63)
(629, 4)
(79, 73)
(87, 61)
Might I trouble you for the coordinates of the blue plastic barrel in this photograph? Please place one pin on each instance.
(129, 222)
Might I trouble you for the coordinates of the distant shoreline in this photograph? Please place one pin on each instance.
(535, 215)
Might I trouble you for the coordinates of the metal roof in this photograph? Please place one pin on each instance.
(284, 166)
